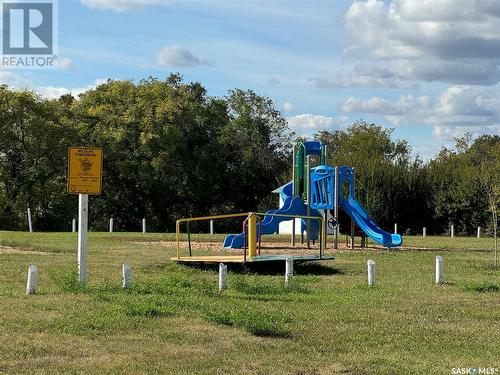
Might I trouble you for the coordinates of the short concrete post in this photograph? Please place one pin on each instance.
(424, 232)
(452, 231)
(288, 269)
(478, 232)
(32, 278)
(222, 276)
(30, 224)
(126, 276)
(73, 225)
(439, 270)
(371, 272)
(111, 222)
(395, 228)
(143, 225)
(211, 227)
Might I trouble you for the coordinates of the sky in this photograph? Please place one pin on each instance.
(429, 69)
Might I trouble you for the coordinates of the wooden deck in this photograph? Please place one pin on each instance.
(259, 258)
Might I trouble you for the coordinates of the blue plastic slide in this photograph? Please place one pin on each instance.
(270, 224)
(352, 207)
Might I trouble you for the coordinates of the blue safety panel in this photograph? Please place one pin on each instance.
(322, 188)
(313, 147)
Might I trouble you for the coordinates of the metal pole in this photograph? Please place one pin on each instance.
(336, 210)
(293, 171)
(478, 232)
(111, 225)
(325, 230)
(424, 232)
(308, 185)
(73, 225)
(293, 192)
(353, 193)
(211, 227)
(189, 238)
(83, 212)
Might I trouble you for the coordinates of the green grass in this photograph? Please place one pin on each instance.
(174, 320)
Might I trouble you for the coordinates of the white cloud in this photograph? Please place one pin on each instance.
(121, 5)
(450, 132)
(175, 56)
(17, 82)
(65, 63)
(287, 106)
(307, 122)
(402, 42)
(13, 80)
(456, 110)
(51, 92)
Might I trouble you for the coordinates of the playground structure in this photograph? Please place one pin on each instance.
(312, 200)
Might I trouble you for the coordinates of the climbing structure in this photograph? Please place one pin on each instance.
(317, 191)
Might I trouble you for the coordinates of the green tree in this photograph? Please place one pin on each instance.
(33, 143)
(390, 184)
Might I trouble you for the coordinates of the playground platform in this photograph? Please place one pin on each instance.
(240, 259)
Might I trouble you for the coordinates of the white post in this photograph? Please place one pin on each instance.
(143, 225)
(439, 270)
(371, 272)
(424, 232)
(73, 225)
(30, 224)
(478, 232)
(32, 278)
(126, 276)
(288, 269)
(222, 276)
(452, 231)
(211, 227)
(395, 228)
(111, 222)
(83, 216)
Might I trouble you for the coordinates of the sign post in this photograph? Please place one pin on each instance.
(84, 179)
(83, 219)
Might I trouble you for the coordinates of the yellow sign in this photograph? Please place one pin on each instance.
(84, 170)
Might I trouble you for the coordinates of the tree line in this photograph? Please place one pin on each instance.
(171, 150)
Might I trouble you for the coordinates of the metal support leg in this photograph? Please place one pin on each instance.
(336, 210)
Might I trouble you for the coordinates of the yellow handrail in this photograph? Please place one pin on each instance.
(199, 218)
(252, 226)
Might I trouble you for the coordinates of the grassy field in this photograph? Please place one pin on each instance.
(174, 321)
